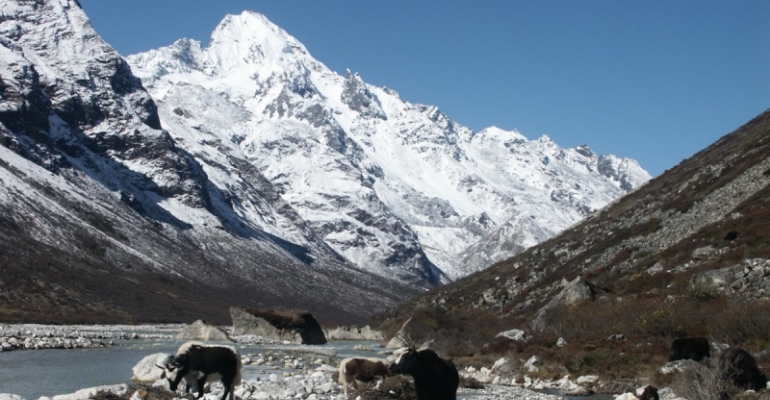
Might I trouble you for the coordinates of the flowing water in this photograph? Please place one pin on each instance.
(35, 373)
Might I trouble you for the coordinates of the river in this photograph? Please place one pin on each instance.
(35, 373)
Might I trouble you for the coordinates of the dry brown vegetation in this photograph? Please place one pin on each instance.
(613, 252)
(621, 341)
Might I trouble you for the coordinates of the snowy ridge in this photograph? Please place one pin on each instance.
(396, 188)
(90, 176)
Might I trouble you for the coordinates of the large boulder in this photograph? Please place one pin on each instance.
(295, 326)
(505, 368)
(576, 291)
(401, 338)
(748, 278)
(572, 292)
(147, 371)
(200, 330)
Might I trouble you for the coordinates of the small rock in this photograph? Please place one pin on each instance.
(587, 379)
(514, 334)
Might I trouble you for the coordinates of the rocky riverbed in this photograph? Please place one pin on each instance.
(296, 374)
(41, 337)
(283, 372)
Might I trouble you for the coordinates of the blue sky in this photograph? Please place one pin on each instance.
(652, 80)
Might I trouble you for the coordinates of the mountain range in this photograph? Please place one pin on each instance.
(386, 183)
(171, 184)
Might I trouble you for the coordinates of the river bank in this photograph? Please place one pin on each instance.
(272, 370)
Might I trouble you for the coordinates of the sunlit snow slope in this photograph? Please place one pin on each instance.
(395, 188)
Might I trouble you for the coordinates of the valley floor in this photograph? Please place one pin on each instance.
(271, 370)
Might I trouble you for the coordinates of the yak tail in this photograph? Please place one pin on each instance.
(341, 378)
(237, 379)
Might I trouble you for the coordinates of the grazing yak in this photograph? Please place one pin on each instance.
(740, 368)
(200, 363)
(689, 349)
(366, 370)
(434, 377)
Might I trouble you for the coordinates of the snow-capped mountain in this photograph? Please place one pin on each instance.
(105, 215)
(396, 188)
(246, 172)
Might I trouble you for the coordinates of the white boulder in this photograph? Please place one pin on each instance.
(147, 371)
(200, 330)
(587, 379)
(532, 363)
(514, 334)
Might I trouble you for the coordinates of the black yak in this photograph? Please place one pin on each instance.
(434, 377)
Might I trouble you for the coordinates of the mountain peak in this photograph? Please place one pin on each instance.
(251, 38)
(244, 25)
(245, 47)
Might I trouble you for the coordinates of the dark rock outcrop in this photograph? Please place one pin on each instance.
(293, 325)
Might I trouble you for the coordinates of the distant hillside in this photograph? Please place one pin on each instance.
(686, 254)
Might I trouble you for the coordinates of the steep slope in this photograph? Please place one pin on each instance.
(656, 258)
(107, 217)
(396, 188)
